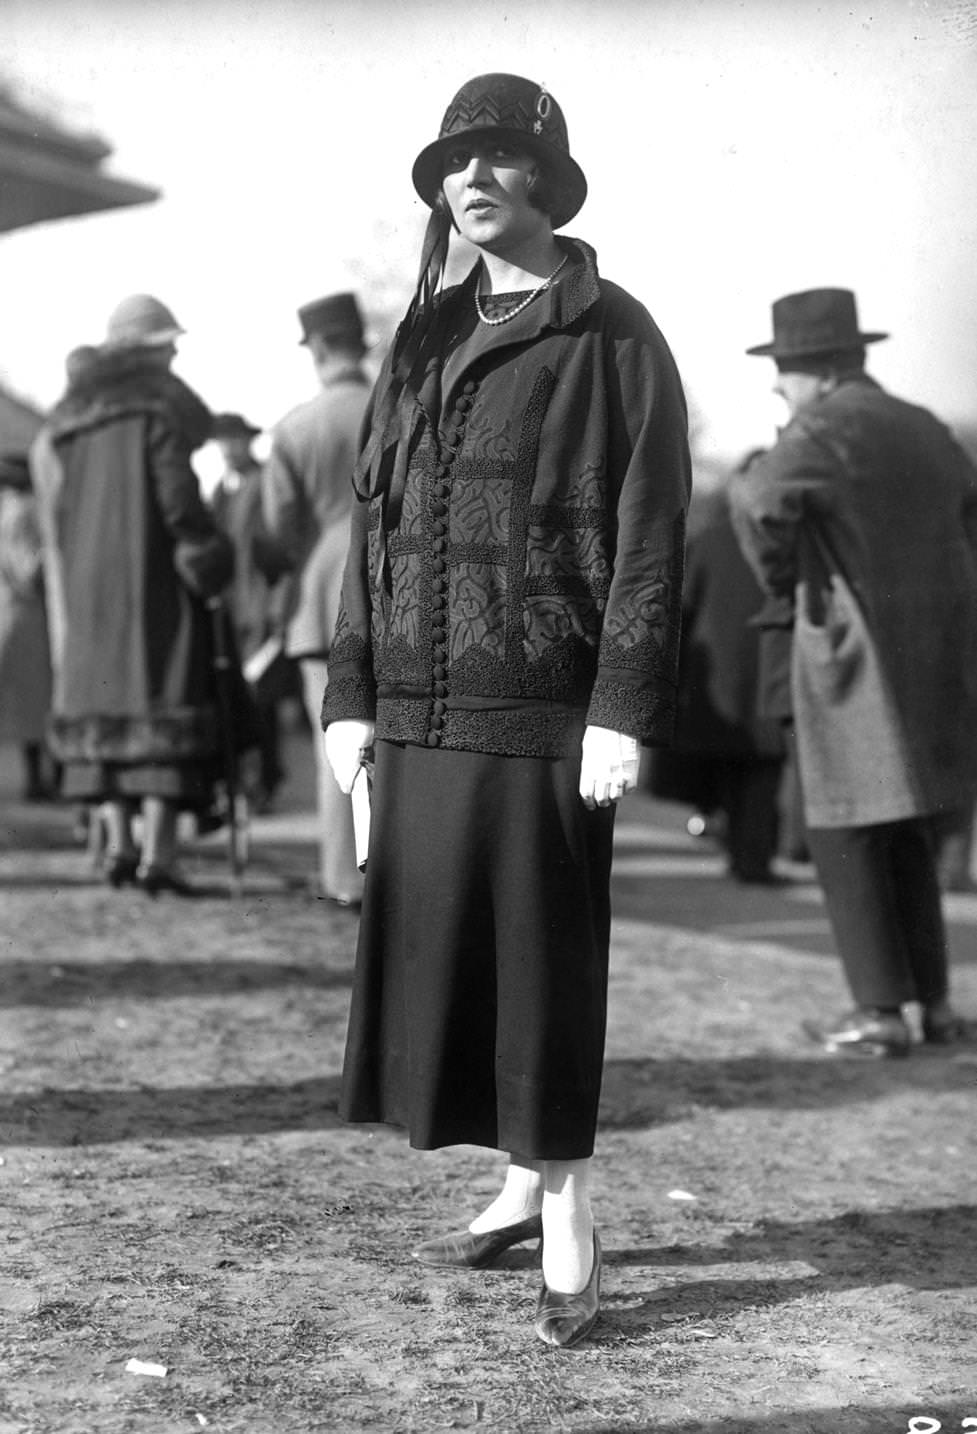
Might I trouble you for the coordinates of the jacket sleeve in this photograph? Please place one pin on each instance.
(202, 555)
(283, 509)
(351, 691)
(769, 500)
(649, 484)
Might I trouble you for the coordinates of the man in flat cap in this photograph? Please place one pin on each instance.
(307, 497)
(863, 518)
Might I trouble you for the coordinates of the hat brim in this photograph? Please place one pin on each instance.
(797, 351)
(568, 178)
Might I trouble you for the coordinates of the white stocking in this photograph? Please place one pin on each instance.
(568, 1226)
(520, 1197)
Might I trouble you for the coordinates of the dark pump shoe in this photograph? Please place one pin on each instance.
(942, 1026)
(154, 879)
(564, 1320)
(861, 1034)
(476, 1251)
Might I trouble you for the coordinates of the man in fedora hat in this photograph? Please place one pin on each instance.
(308, 494)
(863, 519)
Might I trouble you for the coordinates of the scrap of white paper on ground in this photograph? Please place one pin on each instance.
(144, 1366)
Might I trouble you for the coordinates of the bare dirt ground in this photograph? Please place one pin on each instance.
(176, 1187)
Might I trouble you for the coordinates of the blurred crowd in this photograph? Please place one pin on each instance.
(151, 636)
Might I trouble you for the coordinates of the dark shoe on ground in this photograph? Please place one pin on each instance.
(156, 879)
(476, 1251)
(121, 868)
(943, 1026)
(862, 1033)
(564, 1320)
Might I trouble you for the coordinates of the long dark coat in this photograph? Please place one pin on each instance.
(132, 552)
(864, 515)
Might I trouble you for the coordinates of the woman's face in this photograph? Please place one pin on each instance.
(487, 184)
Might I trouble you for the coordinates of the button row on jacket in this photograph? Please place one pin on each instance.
(452, 434)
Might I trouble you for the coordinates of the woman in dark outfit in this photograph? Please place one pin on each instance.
(508, 637)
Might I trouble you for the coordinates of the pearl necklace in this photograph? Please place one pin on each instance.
(504, 319)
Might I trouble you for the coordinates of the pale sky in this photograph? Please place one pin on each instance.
(736, 150)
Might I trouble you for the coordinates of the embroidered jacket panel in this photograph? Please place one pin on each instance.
(515, 570)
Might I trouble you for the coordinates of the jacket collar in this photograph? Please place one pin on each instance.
(121, 383)
(577, 290)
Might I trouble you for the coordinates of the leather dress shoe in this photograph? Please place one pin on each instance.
(862, 1033)
(942, 1026)
(564, 1320)
(121, 868)
(154, 879)
(476, 1251)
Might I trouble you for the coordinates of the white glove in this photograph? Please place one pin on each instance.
(346, 742)
(608, 766)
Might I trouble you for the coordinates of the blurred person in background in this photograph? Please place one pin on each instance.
(255, 596)
(133, 553)
(25, 661)
(727, 760)
(508, 637)
(308, 494)
(863, 517)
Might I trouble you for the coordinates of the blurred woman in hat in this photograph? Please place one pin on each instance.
(508, 637)
(132, 554)
(256, 598)
(25, 667)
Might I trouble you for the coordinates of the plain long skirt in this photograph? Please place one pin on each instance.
(480, 995)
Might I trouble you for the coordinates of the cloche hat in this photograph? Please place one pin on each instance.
(815, 321)
(141, 319)
(507, 107)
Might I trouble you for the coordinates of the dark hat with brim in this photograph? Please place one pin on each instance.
(233, 425)
(517, 110)
(816, 321)
(335, 318)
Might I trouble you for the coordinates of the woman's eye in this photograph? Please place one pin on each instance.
(457, 158)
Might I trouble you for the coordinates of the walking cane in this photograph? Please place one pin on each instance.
(236, 814)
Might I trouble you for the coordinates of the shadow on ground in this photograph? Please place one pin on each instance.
(640, 1093)
(63, 983)
(95, 1117)
(886, 1419)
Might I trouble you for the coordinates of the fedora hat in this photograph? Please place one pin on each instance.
(337, 316)
(233, 425)
(815, 321)
(521, 111)
(141, 319)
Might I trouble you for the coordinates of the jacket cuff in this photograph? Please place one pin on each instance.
(349, 695)
(644, 709)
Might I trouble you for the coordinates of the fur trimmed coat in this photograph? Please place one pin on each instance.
(516, 568)
(131, 554)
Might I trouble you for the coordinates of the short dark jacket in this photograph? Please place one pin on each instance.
(517, 570)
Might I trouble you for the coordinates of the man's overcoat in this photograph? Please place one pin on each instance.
(864, 514)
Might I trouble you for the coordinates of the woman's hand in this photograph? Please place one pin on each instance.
(346, 742)
(608, 766)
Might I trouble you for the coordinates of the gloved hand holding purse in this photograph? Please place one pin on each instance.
(346, 742)
(608, 766)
